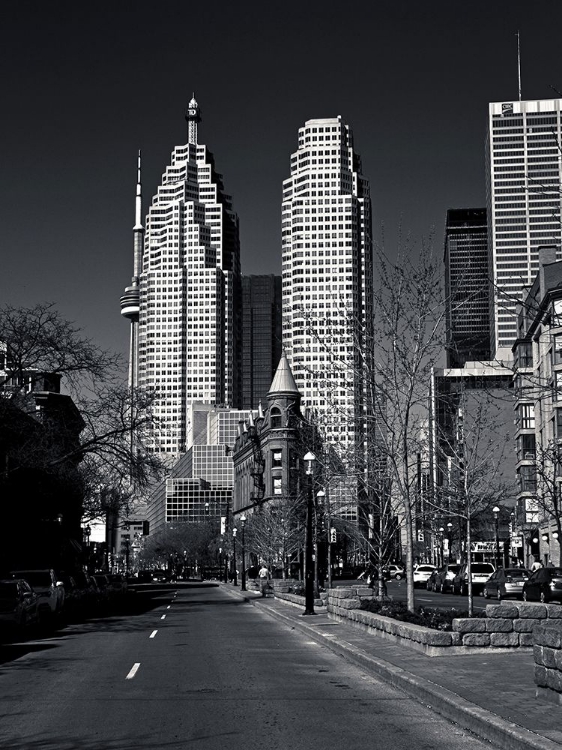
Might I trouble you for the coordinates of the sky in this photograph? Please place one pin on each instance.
(84, 86)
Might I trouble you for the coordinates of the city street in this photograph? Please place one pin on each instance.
(202, 669)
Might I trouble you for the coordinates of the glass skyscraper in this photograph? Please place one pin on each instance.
(524, 193)
(189, 296)
(467, 286)
(327, 277)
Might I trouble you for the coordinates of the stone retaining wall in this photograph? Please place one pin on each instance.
(548, 660)
(506, 627)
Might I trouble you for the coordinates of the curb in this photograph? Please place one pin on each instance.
(485, 724)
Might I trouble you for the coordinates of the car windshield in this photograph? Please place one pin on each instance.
(8, 590)
(425, 568)
(35, 577)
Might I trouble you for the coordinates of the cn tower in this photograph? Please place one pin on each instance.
(130, 299)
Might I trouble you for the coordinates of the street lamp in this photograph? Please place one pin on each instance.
(309, 461)
(234, 530)
(496, 512)
(441, 544)
(449, 538)
(321, 497)
(243, 522)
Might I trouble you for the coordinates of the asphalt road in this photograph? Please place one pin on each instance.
(202, 669)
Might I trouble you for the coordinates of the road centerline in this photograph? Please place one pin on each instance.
(133, 671)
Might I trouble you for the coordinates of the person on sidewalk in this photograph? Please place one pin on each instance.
(263, 575)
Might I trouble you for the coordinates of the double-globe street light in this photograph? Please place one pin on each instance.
(309, 462)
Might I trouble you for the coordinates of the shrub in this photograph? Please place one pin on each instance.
(429, 617)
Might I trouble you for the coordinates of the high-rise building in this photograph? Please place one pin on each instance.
(261, 336)
(186, 292)
(467, 286)
(524, 193)
(328, 280)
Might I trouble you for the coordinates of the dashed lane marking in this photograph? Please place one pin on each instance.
(153, 634)
(133, 671)
(163, 617)
(168, 607)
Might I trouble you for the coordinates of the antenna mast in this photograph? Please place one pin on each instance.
(519, 64)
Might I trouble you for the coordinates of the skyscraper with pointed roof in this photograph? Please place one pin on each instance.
(187, 291)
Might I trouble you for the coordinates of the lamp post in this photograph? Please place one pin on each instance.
(496, 512)
(243, 523)
(234, 530)
(449, 538)
(441, 544)
(309, 461)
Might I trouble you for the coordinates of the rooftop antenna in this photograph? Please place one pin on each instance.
(519, 63)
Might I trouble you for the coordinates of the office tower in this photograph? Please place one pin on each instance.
(188, 281)
(524, 181)
(467, 286)
(328, 280)
(261, 336)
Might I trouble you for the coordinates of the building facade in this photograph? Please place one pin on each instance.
(467, 286)
(538, 410)
(199, 486)
(261, 336)
(186, 292)
(523, 203)
(327, 277)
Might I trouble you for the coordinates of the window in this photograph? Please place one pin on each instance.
(276, 457)
(527, 479)
(527, 412)
(275, 418)
(277, 489)
(557, 351)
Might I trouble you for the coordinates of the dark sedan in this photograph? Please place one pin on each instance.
(506, 582)
(544, 585)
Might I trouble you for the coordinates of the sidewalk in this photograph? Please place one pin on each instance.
(493, 695)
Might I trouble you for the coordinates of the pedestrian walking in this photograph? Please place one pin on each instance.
(263, 575)
(537, 565)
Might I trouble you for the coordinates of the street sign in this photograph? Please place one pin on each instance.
(482, 546)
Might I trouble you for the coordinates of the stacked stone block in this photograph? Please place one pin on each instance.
(547, 651)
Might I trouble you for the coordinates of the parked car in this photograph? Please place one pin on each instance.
(48, 587)
(394, 571)
(72, 596)
(18, 603)
(444, 576)
(422, 573)
(506, 582)
(544, 585)
(119, 583)
(430, 583)
(480, 572)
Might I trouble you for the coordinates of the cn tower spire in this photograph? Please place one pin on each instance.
(130, 300)
(193, 118)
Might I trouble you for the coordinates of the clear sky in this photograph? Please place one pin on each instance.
(85, 85)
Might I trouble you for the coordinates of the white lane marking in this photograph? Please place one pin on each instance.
(163, 617)
(153, 634)
(168, 607)
(133, 671)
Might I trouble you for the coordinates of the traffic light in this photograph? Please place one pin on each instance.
(146, 528)
(333, 536)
